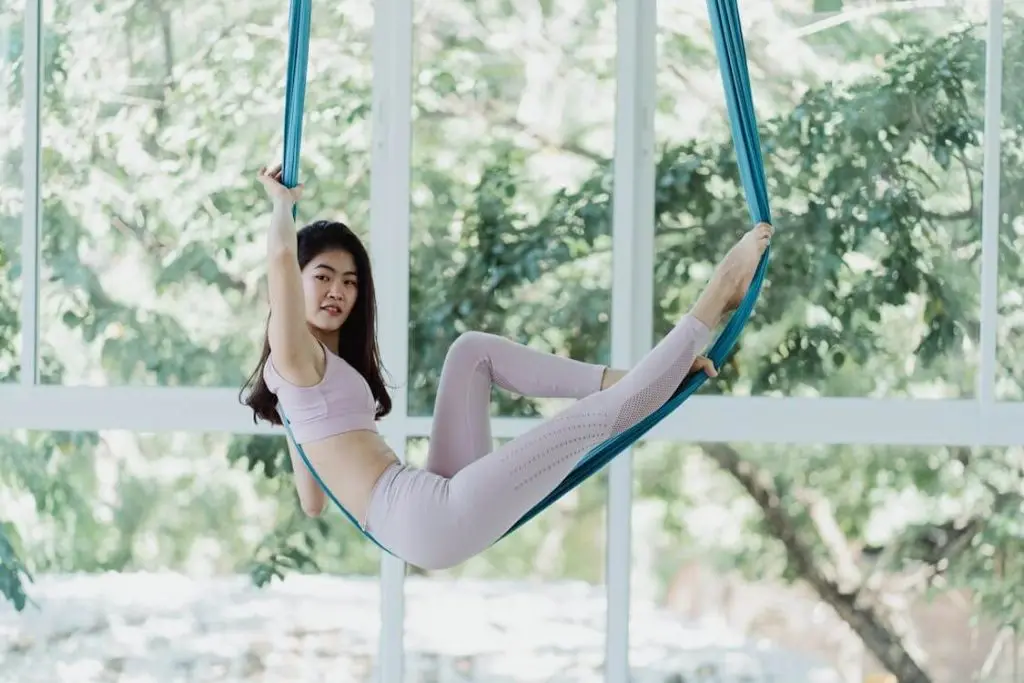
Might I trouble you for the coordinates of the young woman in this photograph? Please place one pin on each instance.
(320, 363)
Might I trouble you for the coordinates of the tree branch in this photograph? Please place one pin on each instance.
(962, 158)
(853, 606)
(955, 216)
(512, 123)
(846, 16)
(848, 575)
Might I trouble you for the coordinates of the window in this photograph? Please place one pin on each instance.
(511, 234)
(11, 186)
(875, 179)
(171, 534)
(156, 120)
(1010, 363)
(511, 218)
(746, 557)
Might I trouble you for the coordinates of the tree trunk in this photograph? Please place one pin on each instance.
(851, 606)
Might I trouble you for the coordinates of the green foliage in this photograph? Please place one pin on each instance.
(13, 573)
(287, 549)
(269, 456)
(828, 5)
(499, 253)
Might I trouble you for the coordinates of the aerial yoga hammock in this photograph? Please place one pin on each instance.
(729, 44)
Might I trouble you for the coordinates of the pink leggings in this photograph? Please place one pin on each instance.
(469, 493)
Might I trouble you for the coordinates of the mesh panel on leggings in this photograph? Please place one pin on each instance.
(565, 437)
(572, 434)
(641, 404)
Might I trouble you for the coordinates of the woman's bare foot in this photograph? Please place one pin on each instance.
(743, 258)
(733, 276)
(725, 291)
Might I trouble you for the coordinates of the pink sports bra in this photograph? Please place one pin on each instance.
(341, 402)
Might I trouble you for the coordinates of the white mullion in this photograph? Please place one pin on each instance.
(391, 649)
(990, 222)
(632, 288)
(32, 75)
(389, 246)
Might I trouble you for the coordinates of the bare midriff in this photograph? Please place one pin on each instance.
(349, 465)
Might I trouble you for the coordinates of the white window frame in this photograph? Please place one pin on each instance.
(981, 421)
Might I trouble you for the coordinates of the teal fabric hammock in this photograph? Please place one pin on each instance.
(729, 43)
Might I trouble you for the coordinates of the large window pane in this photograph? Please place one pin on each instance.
(530, 608)
(156, 119)
(153, 557)
(11, 194)
(1010, 381)
(871, 128)
(512, 136)
(839, 563)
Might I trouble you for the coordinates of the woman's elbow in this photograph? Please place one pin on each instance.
(313, 505)
(312, 510)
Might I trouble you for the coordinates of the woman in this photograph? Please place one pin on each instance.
(321, 365)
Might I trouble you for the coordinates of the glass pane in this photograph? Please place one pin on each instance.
(530, 608)
(156, 120)
(871, 128)
(153, 556)
(1010, 380)
(513, 129)
(826, 564)
(12, 23)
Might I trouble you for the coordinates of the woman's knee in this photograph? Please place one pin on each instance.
(469, 348)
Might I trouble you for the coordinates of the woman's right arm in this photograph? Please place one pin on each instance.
(294, 348)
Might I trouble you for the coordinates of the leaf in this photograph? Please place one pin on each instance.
(13, 573)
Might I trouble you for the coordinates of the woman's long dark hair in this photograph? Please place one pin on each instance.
(357, 340)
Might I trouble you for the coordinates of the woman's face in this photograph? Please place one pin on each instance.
(331, 288)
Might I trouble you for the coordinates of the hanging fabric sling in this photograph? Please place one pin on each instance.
(729, 45)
